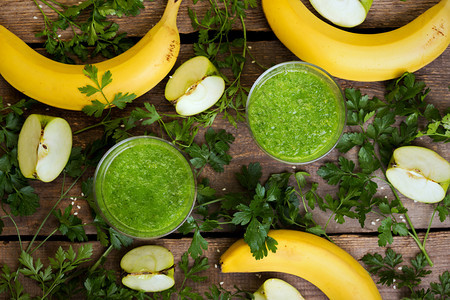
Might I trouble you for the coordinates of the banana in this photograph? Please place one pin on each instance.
(360, 57)
(137, 70)
(313, 258)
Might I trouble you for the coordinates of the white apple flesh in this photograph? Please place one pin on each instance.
(345, 13)
(151, 268)
(277, 289)
(419, 174)
(201, 96)
(44, 147)
(149, 258)
(195, 86)
(188, 74)
(149, 282)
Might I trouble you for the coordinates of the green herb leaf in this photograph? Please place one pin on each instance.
(389, 273)
(119, 240)
(214, 152)
(215, 42)
(23, 202)
(70, 225)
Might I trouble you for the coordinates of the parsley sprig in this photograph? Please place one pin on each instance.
(89, 36)
(216, 43)
(375, 138)
(391, 272)
(97, 107)
(191, 272)
(15, 190)
(255, 210)
(181, 131)
(55, 274)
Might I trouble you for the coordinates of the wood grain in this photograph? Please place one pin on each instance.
(355, 245)
(243, 150)
(24, 19)
(384, 15)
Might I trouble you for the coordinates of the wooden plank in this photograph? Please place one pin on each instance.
(384, 15)
(356, 245)
(243, 150)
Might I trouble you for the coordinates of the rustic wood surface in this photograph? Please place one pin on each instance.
(24, 19)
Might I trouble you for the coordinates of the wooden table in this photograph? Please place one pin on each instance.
(24, 19)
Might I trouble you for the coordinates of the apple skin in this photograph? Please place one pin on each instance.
(186, 75)
(149, 258)
(344, 13)
(419, 173)
(367, 4)
(195, 86)
(150, 268)
(205, 94)
(44, 147)
(150, 282)
(277, 289)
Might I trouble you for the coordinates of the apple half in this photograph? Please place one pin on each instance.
(44, 147)
(277, 289)
(419, 173)
(345, 13)
(150, 268)
(195, 86)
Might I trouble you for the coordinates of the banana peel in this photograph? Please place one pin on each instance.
(308, 256)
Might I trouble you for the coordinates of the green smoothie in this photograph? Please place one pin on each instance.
(296, 113)
(145, 187)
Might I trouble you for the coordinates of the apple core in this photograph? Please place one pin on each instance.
(144, 187)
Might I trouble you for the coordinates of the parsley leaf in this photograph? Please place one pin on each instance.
(89, 36)
(258, 216)
(216, 43)
(390, 273)
(55, 274)
(102, 284)
(375, 138)
(181, 134)
(256, 210)
(97, 107)
(443, 208)
(70, 225)
(190, 272)
(9, 283)
(213, 152)
(14, 188)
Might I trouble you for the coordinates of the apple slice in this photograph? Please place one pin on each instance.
(200, 96)
(345, 13)
(277, 289)
(419, 173)
(151, 268)
(150, 282)
(44, 147)
(195, 86)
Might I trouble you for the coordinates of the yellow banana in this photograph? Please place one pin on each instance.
(360, 57)
(313, 258)
(137, 70)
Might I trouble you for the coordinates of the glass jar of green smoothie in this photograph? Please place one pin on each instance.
(144, 187)
(296, 112)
